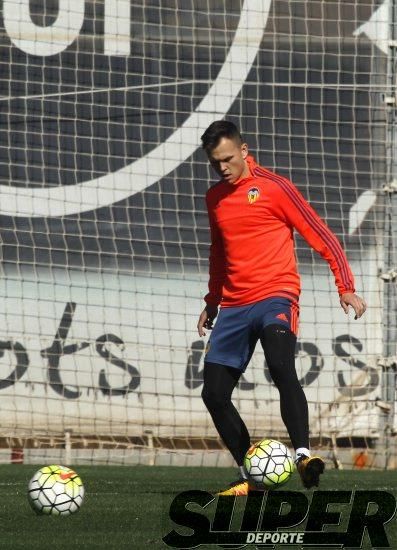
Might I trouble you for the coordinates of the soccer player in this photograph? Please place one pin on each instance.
(253, 278)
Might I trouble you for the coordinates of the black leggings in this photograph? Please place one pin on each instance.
(278, 344)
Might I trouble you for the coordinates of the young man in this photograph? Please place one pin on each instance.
(253, 277)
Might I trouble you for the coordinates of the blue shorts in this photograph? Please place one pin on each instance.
(237, 329)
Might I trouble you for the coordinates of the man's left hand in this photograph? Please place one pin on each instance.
(358, 304)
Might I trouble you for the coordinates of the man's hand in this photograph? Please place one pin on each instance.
(357, 303)
(206, 318)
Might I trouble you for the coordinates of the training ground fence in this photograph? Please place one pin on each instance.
(104, 232)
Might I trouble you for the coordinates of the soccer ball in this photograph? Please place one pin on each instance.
(55, 490)
(269, 463)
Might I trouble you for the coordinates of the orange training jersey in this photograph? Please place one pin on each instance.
(252, 252)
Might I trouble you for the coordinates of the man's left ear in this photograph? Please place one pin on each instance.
(244, 150)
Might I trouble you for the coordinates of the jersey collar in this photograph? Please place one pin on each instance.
(251, 166)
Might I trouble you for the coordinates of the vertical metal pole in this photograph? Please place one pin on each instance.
(390, 255)
(68, 448)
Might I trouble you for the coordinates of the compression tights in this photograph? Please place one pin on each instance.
(278, 344)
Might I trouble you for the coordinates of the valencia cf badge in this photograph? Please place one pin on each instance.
(253, 195)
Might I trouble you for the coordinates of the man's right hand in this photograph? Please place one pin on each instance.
(207, 319)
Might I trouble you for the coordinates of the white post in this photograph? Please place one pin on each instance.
(150, 445)
(68, 448)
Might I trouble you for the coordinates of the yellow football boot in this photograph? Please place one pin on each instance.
(310, 468)
(240, 488)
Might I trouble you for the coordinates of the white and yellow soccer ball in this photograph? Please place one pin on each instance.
(269, 463)
(56, 490)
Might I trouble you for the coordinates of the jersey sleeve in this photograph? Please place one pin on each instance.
(298, 213)
(217, 269)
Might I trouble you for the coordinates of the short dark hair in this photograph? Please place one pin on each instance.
(218, 130)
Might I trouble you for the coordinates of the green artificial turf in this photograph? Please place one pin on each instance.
(128, 507)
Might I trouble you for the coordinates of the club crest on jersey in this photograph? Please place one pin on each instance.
(253, 195)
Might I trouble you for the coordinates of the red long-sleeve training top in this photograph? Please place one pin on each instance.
(252, 254)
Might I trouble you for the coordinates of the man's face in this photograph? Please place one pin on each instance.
(228, 160)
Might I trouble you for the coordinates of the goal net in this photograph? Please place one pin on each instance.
(105, 234)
